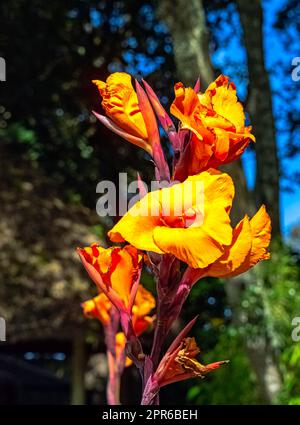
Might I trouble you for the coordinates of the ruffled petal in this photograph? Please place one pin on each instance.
(120, 103)
(261, 235)
(236, 253)
(137, 225)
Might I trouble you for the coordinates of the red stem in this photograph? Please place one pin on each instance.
(168, 310)
(114, 378)
(115, 365)
(134, 348)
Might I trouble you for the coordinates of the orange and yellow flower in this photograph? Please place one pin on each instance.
(181, 364)
(189, 220)
(98, 308)
(144, 303)
(197, 232)
(115, 271)
(217, 122)
(120, 103)
(120, 348)
(250, 242)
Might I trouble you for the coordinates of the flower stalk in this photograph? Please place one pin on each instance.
(185, 235)
(116, 363)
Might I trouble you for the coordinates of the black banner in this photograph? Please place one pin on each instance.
(145, 414)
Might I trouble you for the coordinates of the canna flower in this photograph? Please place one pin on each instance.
(217, 122)
(250, 242)
(189, 220)
(98, 308)
(181, 363)
(178, 364)
(130, 115)
(115, 271)
(121, 105)
(144, 303)
(120, 348)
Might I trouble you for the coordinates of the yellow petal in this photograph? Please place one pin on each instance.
(120, 347)
(137, 225)
(116, 267)
(201, 245)
(225, 103)
(122, 276)
(120, 103)
(98, 308)
(144, 302)
(193, 246)
(236, 253)
(216, 119)
(185, 106)
(192, 223)
(261, 234)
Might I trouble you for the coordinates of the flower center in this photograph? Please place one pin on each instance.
(189, 218)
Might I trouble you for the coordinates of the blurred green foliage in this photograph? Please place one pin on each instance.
(234, 383)
(268, 306)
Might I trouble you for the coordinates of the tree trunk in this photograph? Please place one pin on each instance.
(261, 112)
(258, 348)
(186, 22)
(78, 369)
(187, 25)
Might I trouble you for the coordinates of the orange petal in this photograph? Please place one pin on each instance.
(138, 141)
(185, 107)
(98, 308)
(120, 103)
(123, 275)
(144, 302)
(115, 271)
(120, 347)
(222, 144)
(225, 103)
(216, 119)
(261, 234)
(95, 275)
(141, 324)
(200, 154)
(236, 253)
